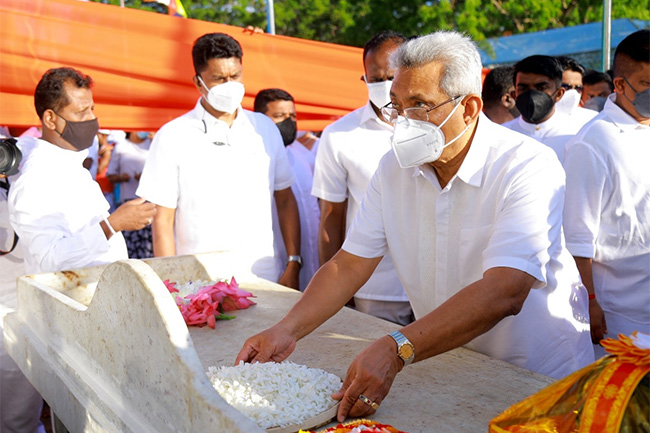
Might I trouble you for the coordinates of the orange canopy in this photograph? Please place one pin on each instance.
(142, 65)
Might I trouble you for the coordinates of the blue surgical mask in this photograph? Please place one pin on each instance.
(641, 100)
(143, 135)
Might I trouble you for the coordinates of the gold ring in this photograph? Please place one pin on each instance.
(369, 402)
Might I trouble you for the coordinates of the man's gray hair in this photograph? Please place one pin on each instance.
(462, 72)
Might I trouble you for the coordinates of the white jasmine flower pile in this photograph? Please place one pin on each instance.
(275, 394)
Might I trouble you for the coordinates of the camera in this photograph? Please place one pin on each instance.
(10, 156)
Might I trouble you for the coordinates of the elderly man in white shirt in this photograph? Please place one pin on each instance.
(472, 214)
(348, 155)
(215, 171)
(607, 209)
(538, 90)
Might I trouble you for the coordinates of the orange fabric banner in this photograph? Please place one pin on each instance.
(141, 63)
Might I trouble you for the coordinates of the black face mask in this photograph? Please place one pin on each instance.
(79, 134)
(288, 130)
(534, 105)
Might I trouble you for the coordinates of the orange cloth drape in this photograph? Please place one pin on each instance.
(142, 65)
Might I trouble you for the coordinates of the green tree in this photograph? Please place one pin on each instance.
(353, 22)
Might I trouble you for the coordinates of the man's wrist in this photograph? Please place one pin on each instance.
(107, 228)
(405, 349)
(294, 260)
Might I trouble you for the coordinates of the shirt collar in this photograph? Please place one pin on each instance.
(619, 116)
(201, 113)
(471, 169)
(59, 154)
(538, 128)
(368, 115)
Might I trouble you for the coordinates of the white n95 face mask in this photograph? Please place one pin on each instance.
(379, 93)
(225, 97)
(569, 101)
(417, 142)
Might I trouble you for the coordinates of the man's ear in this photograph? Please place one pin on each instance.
(49, 119)
(197, 83)
(560, 92)
(473, 107)
(619, 85)
(508, 100)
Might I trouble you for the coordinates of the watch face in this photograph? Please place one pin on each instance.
(406, 351)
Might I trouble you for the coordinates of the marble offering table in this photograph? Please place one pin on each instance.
(109, 351)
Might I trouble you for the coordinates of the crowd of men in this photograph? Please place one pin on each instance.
(502, 216)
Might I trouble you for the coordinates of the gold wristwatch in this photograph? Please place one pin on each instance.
(405, 348)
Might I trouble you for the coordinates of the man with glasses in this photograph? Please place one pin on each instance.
(538, 89)
(607, 206)
(348, 155)
(471, 213)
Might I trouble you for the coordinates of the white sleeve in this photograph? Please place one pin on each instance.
(530, 217)
(284, 175)
(160, 175)
(53, 245)
(367, 236)
(585, 191)
(330, 176)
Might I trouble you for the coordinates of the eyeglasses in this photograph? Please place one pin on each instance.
(572, 86)
(414, 113)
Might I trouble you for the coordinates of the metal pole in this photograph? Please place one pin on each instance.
(270, 18)
(607, 34)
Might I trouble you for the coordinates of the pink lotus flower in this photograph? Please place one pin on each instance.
(207, 303)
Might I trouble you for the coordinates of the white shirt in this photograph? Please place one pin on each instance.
(128, 157)
(607, 211)
(569, 104)
(308, 155)
(555, 132)
(502, 209)
(56, 207)
(349, 152)
(309, 213)
(221, 181)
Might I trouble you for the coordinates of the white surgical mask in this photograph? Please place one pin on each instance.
(569, 101)
(225, 97)
(379, 93)
(417, 142)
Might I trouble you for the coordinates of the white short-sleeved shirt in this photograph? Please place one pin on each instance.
(349, 152)
(607, 213)
(502, 209)
(128, 157)
(221, 182)
(555, 132)
(55, 207)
